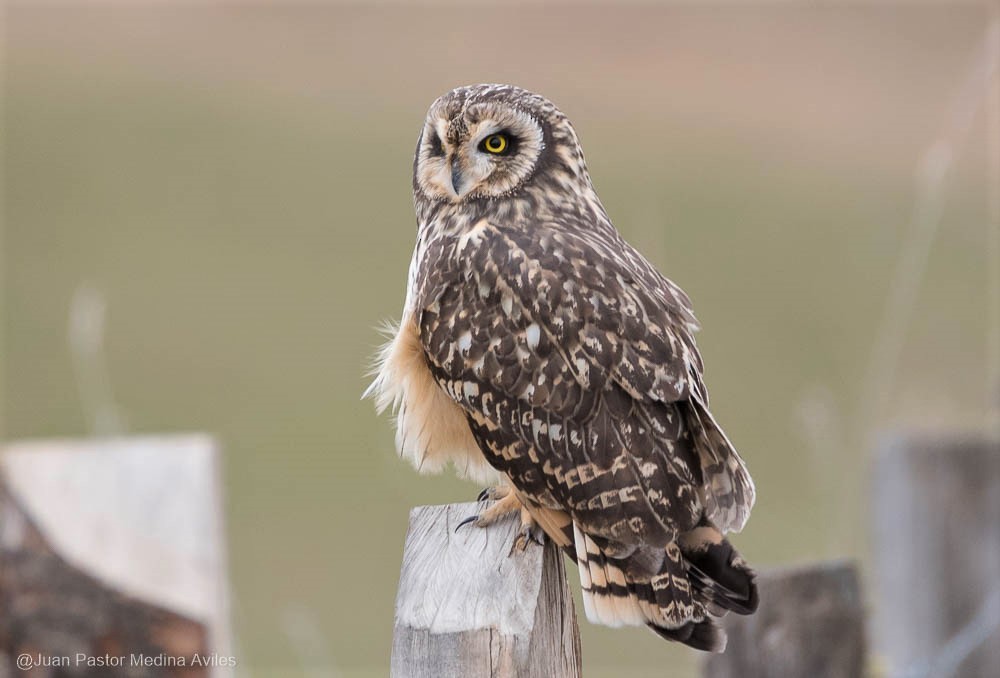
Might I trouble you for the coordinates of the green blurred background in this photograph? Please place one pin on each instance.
(233, 183)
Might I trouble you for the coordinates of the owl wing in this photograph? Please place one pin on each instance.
(576, 364)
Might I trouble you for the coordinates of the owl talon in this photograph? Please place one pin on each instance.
(470, 519)
(537, 535)
(495, 493)
(529, 533)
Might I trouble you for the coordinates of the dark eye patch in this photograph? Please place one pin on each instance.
(434, 141)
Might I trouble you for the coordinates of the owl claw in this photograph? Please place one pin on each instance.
(494, 493)
(470, 519)
(506, 502)
(530, 532)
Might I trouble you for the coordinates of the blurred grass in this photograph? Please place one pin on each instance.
(250, 222)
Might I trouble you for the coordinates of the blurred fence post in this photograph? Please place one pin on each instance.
(468, 607)
(811, 622)
(113, 548)
(936, 555)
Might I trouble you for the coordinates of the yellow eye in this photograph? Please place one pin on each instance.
(495, 143)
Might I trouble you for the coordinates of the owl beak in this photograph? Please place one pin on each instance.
(456, 177)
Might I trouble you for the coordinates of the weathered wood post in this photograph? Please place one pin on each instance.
(113, 551)
(469, 607)
(936, 555)
(811, 622)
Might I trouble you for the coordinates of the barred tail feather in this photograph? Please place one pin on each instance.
(606, 597)
(621, 592)
(675, 591)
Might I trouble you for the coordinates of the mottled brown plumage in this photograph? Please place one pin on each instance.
(536, 339)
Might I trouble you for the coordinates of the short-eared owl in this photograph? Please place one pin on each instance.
(539, 350)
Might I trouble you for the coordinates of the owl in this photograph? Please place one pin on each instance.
(541, 354)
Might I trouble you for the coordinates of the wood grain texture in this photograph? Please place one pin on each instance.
(936, 555)
(810, 623)
(467, 606)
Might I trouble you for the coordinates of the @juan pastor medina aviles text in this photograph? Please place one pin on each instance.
(30, 661)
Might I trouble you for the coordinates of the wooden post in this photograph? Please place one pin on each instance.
(113, 550)
(469, 607)
(936, 555)
(810, 623)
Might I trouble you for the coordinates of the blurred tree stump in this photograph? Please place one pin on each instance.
(112, 559)
(469, 607)
(811, 622)
(936, 555)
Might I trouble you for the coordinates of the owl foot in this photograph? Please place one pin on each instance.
(530, 532)
(507, 503)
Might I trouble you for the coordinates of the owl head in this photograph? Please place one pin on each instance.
(489, 141)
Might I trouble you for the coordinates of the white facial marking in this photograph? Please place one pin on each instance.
(461, 168)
